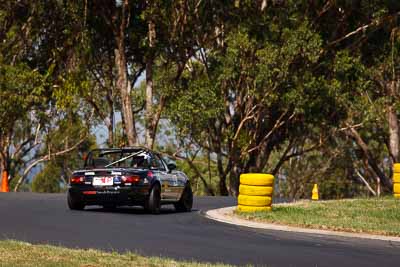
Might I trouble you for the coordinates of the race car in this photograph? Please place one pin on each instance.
(133, 176)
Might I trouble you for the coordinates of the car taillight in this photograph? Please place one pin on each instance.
(148, 177)
(89, 192)
(77, 180)
(131, 179)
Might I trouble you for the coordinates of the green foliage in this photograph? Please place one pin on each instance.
(68, 132)
(199, 102)
(209, 174)
(74, 87)
(258, 80)
(21, 91)
(247, 86)
(48, 180)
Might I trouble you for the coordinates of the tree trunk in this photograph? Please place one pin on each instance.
(263, 5)
(2, 159)
(198, 174)
(223, 191)
(393, 124)
(234, 180)
(123, 84)
(235, 171)
(207, 186)
(110, 128)
(149, 105)
(125, 92)
(149, 116)
(371, 161)
(1, 168)
(110, 125)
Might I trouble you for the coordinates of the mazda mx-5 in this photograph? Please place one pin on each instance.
(133, 176)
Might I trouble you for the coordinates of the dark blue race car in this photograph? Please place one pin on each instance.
(129, 176)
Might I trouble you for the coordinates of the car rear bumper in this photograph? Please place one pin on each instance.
(117, 196)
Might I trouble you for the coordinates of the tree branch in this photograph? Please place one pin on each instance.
(363, 28)
(209, 190)
(366, 183)
(352, 132)
(46, 158)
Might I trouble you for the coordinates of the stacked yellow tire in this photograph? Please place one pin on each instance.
(396, 180)
(255, 192)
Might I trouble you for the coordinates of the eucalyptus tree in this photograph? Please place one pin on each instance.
(24, 91)
(174, 31)
(57, 169)
(254, 88)
(32, 64)
(364, 46)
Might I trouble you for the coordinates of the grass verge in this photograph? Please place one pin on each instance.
(374, 216)
(15, 253)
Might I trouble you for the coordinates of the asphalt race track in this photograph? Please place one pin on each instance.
(45, 218)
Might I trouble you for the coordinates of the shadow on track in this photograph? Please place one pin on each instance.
(137, 210)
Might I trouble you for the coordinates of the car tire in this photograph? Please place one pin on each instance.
(396, 167)
(153, 203)
(396, 177)
(258, 201)
(253, 190)
(75, 204)
(252, 208)
(185, 203)
(110, 207)
(259, 179)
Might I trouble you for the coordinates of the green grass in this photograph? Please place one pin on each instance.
(15, 253)
(374, 216)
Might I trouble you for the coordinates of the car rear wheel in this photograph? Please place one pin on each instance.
(186, 201)
(153, 203)
(110, 207)
(75, 204)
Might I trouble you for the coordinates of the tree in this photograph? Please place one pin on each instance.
(367, 35)
(32, 66)
(23, 117)
(59, 168)
(48, 180)
(249, 86)
(255, 91)
(67, 137)
(173, 35)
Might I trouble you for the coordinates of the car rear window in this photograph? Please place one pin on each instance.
(118, 158)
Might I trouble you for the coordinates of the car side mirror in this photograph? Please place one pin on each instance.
(171, 166)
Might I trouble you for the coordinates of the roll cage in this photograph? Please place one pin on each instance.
(137, 157)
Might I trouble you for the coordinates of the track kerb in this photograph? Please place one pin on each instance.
(255, 192)
(396, 180)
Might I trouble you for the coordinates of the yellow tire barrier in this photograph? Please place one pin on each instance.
(251, 190)
(396, 180)
(259, 179)
(252, 208)
(396, 177)
(255, 192)
(396, 168)
(396, 188)
(258, 201)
